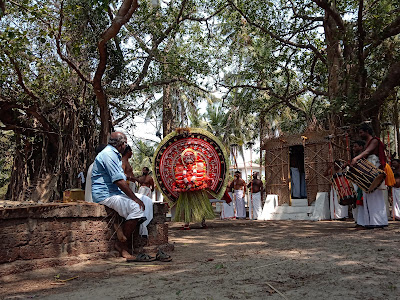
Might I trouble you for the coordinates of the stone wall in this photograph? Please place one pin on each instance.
(65, 230)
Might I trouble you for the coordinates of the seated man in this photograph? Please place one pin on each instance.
(110, 188)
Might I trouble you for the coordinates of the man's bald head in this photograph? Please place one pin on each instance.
(118, 140)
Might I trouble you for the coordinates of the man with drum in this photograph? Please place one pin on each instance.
(374, 203)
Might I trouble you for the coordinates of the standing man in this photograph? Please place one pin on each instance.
(239, 187)
(375, 215)
(257, 190)
(146, 183)
(110, 188)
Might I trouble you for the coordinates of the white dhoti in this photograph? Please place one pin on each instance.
(148, 213)
(375, 214)
(396, 202)
(88, 187)
(295, 180)
(257, 208)
(132, 186)
(145, 190)
(337, 211)
(124, 206)
(228, 210)
(360, 215)
(239, 204)
(375, 209)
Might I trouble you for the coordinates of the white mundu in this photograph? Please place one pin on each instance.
(228, 210)
(396, 203)
(257, 209)
(239, 204)
(148, 213)
(145, 190)
(337, 211)
(374, 203)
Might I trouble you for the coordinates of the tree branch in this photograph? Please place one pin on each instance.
(58, 45)
(157, 42)
(389, 31)
(333, 12)
(391, 80)
(124, 13)
(166, 82)
(275, 36)
(284, 99)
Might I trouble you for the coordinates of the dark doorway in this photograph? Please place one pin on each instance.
(297, 174)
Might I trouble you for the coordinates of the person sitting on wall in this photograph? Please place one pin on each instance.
(110, 188)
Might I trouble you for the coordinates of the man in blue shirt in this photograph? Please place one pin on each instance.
(110, 188)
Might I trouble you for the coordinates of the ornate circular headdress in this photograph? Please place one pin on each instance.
(190, 159)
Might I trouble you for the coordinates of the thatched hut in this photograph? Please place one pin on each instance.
(311, 151)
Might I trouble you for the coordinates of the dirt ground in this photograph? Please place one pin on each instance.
(238, 260)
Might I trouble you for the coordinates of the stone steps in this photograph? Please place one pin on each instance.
(299, 210)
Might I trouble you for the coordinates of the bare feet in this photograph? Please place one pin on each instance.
(123, 250)
(120, 234)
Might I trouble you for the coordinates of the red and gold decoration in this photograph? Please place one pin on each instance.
(189, 165)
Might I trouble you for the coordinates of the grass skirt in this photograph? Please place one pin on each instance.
(193, 206)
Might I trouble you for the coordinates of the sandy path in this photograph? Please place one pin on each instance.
(239, 260)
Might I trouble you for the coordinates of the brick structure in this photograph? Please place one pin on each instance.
(66, 230)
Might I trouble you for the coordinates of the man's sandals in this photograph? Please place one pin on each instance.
(142, 257)
(162, 256)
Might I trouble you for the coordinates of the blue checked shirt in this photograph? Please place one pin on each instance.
(107, 168)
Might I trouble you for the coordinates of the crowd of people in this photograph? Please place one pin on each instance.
(111, 182)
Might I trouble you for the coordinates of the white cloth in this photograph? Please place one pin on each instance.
(374, 203)
(228, 210)
(337, 211)
(295, 179)
(360, 215)
(375, 209)
(396, 202)
(145, 190)
(239, 204)
(124, 206)
(257, 208)
(82, 177)
(88, 186)
(148, 213)
(132, 186)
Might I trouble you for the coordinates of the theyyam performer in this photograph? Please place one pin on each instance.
(190, 166)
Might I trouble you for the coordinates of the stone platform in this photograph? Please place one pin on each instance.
(59, 233)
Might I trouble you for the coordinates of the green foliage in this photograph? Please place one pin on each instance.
(6, 160)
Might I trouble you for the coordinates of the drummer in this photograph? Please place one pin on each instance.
(374, 203)
(338, 212)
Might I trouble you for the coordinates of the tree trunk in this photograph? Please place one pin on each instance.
(168, 115)
(396, 125)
